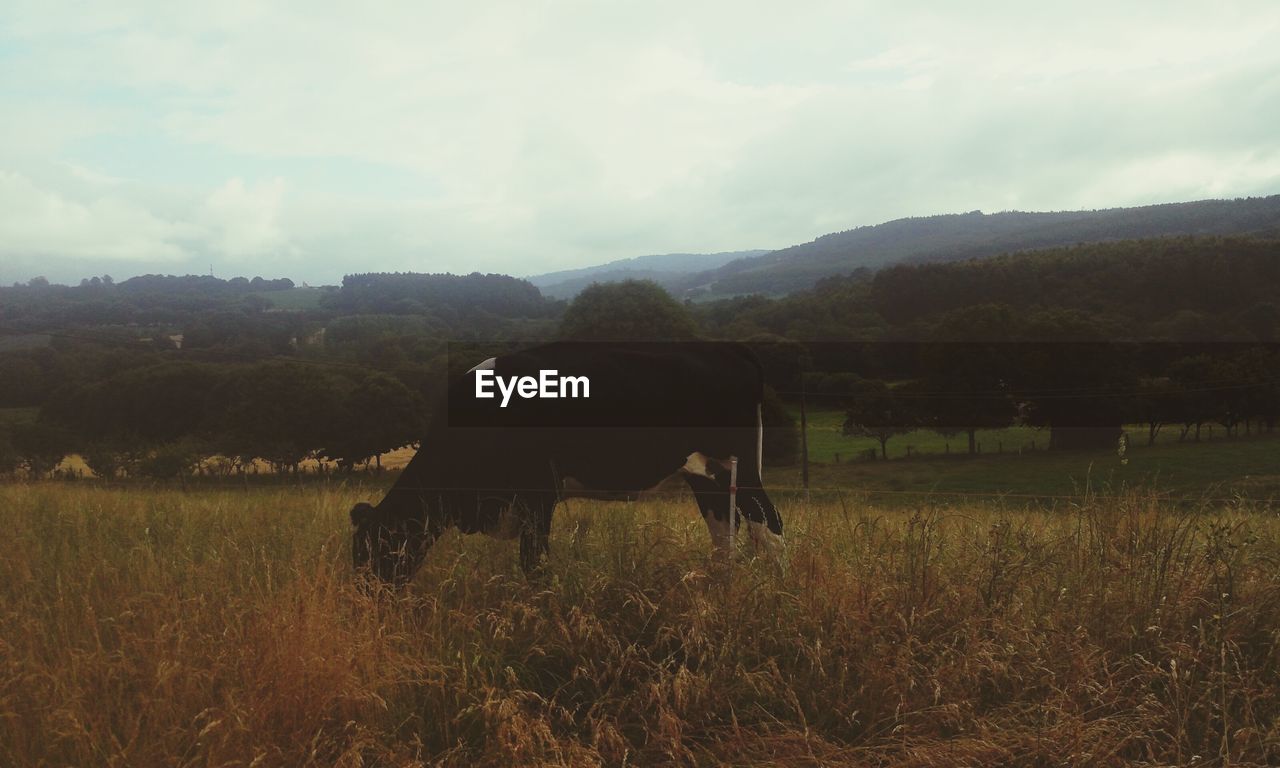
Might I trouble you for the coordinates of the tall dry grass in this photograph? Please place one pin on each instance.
(221, 628)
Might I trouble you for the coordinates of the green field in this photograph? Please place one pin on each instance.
(221, 627)
(1248, 466)
(826, 440)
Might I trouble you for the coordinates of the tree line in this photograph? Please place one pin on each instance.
(1083, 394)
(163, 420)
(210, 373)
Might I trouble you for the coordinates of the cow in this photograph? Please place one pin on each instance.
(616, 420)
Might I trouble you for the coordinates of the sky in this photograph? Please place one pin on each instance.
(312, 140)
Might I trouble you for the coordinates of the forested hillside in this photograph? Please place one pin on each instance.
(1170, 289)
(957, 237)
(670, 270)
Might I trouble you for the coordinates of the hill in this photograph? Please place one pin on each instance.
(670, 270)
(954, 237)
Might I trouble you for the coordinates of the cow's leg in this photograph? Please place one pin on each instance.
(763, 521)
(535, 533)
(713, 502)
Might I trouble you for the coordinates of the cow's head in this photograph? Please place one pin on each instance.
(388, 548)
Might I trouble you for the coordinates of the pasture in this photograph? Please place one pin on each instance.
(826, 439)
(221, 627)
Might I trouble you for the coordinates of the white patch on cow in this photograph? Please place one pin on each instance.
(487, 365)
(696, 464)
(765, 539)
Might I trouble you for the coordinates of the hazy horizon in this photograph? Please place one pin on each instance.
(307, 144)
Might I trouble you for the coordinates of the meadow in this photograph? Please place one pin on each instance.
(221, 626)
(827, 441)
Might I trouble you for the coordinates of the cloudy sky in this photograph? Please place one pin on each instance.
(530, 136)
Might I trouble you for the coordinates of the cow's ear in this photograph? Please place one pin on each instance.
(361, 513)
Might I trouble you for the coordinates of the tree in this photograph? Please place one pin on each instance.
(969, 384)
(1262, 366)
(1154, 405)
(40, 447)
(106, 460)
(278, 412)
(1190, 402)
(172, 460)
(632, 310)
(880, 411)
(151, 405)
(376, 415)
(9, 458)
(1073, 380)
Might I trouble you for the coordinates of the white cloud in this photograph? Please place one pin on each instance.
(242, 221)
(526, 137)
(41, 223)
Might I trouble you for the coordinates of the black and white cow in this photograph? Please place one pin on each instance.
(644, 413)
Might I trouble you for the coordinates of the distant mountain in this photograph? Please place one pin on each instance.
(670, 270)
(954, 237)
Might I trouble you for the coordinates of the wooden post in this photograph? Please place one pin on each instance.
(733, 504)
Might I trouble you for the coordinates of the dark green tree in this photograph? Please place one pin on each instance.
(172, 460)
(376, 415)
(632, 310)
(9, 458)
(279, 412)
(880, 411)
(1191, 401)
(41, 447)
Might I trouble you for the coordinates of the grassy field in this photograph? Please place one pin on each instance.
(826, 439)
(1219, 467)
(221, 627)
(1222, 469)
